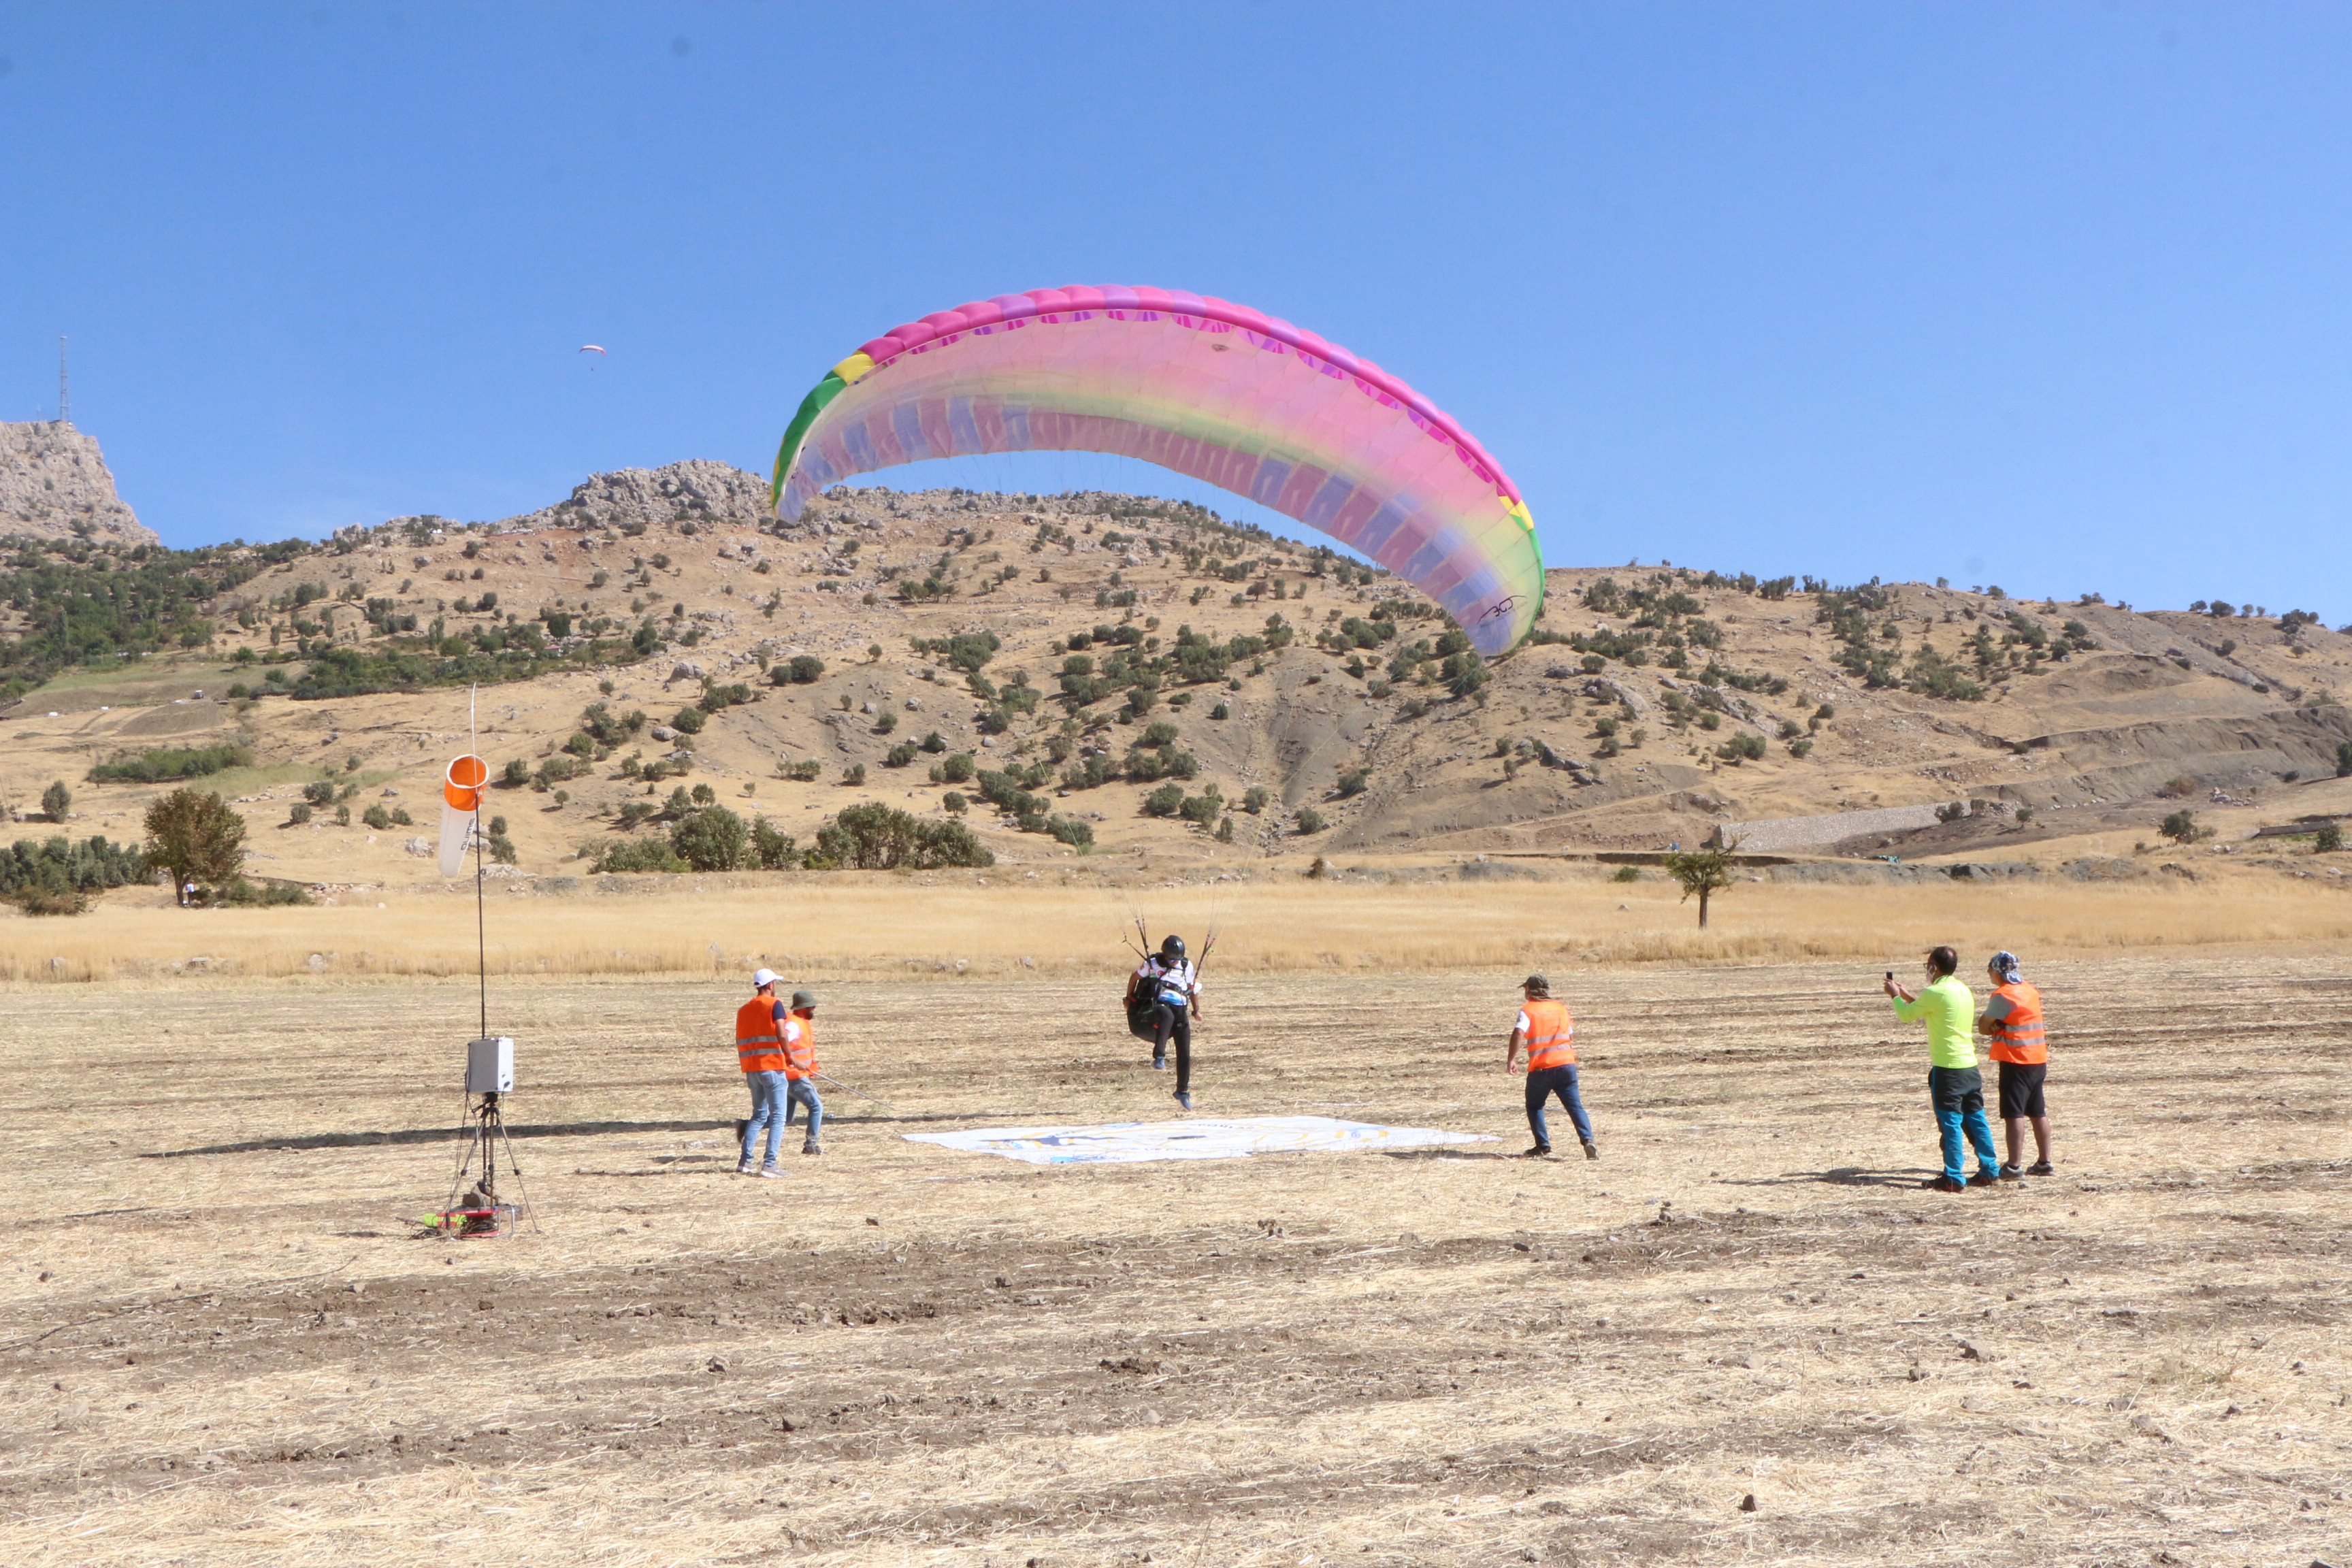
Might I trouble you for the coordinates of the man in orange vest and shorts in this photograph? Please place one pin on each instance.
(760, 1051)
(1548, 1032)
(2021, 1044)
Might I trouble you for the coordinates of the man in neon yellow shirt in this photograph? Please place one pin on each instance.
(1955, 1086)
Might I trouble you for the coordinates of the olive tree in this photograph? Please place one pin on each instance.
(195, 834)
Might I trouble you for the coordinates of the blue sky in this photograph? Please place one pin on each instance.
(2056, 296)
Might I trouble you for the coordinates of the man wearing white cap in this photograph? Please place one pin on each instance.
(759, 1050)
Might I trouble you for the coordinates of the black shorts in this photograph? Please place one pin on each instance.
(2021, 1089)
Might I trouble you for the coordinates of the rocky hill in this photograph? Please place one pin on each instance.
(1177, 685)
(54, 484)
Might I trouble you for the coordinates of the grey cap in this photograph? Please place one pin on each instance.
(803, 998)
(1537, 984)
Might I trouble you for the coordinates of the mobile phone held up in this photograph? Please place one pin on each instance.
(1890, 975)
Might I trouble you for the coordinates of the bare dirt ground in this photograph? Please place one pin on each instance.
(1744, 1334)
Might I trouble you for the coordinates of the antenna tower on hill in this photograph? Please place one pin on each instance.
(65, 398)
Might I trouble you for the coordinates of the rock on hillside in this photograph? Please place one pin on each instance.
(697, 491)
(54, 484)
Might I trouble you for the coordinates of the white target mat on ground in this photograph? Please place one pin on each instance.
(1205, 1138)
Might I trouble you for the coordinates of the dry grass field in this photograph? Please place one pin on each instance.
(1070, 917)
(222, 1341)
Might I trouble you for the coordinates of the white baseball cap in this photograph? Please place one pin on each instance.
(762, 977)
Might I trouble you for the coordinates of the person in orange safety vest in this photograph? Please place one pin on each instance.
(1548, 1034)
(800, 1069)
(760, 1051)
(2021, 1044)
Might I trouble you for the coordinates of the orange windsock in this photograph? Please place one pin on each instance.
(463, 787)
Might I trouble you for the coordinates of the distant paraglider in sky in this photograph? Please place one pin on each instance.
(595, 349)
(1209, 389)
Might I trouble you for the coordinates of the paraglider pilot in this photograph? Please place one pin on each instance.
(1163, 998)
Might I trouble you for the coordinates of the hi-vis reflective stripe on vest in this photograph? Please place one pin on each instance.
(1552, 1036)
(757, 1045)
(800, 1046)
(2020, 1037)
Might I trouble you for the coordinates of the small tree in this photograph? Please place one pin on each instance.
(2344, 758)
(1703, 873)
(57, 800)
(2180, 828)
(2328, 840)
(713, 840)
(195, 834)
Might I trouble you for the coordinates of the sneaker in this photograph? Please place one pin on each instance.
(2009, 1172)
(746, 1169)
(1592, 1151)
(1944, 1184)
(1160, 1064)
(769, 1171)
(1540, 1151)
(811, 1147)
(1984, 1179)
(1184, 1099)
(2040, 1168)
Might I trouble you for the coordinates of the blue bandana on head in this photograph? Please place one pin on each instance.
(2005, 965)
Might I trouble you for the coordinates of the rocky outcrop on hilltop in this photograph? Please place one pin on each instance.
(697, 491)
(54, 484)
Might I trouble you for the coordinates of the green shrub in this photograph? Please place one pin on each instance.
(1351, 783)
(377, 817)
(803, 772)
(2328, 840)
(1203, 809)
(2180, 828)
(876, 837)
(1072, 832)
(954, 803)
(299, 813)
(1254, 799)
(165, 763)
(711, 839)
(854, 774)
(264, 893)
(1309, 820)
(1627, 874)
(1165, 801)
(904, 752)
(688, 721)
(771, 849)
(638, 855)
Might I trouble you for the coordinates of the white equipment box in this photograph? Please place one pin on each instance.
(490, 1065)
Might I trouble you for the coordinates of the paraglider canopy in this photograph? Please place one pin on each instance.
(1209, 389)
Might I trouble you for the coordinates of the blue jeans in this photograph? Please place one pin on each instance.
(768, 1110)
(1542, 1085)
(799, 1091)
(1957, 1095)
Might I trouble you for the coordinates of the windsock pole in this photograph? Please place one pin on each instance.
(461, 806)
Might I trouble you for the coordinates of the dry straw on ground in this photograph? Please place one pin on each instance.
(219, 1342)
(848, 925)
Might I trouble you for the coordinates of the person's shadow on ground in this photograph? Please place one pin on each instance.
(1835, 1176)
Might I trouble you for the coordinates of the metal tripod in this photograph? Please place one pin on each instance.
(474, 1207)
